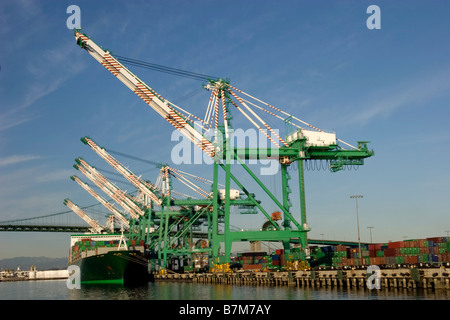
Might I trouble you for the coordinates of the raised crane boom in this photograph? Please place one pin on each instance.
(150, 97)
(100, 199)
(141, 185)
(118, 195)
(97, 228)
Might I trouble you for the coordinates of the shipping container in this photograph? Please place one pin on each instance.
(376, 247)
(252, 267)
(396, 244)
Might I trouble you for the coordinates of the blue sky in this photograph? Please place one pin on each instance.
(317, 61)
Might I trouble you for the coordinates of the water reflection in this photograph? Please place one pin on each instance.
(196, 291)
(57, 290)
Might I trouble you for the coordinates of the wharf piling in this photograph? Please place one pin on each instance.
(430, 279)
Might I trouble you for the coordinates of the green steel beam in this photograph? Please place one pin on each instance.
(214, 238)
(252, 199)
(301, 183)
(207, 202)
(270, 235)
(267, 191)
(313, 153)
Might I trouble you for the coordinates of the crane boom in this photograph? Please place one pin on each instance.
(97, 228)
(150, 97)
(100, 199)
(143, 186)
(118, 195)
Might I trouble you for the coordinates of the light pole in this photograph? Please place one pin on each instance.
(357, 221)
(370, 229)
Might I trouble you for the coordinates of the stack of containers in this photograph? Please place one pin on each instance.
(296, 254)
(414, 251)
(277, 259)
(253, 260)
(331, 255)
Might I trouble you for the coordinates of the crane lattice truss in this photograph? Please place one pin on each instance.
(177, 218)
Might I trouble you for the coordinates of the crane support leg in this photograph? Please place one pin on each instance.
(215, 243)
(301, 182)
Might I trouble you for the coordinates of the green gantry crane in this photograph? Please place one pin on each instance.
(297, 145)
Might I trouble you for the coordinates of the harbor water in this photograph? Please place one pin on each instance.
(181, 291)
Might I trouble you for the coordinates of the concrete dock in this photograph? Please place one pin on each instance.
(426, 278)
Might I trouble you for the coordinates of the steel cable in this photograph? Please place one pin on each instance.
(161, 68)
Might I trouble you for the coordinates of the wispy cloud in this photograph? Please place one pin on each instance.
(11, 120)
(57, 175)
(412, 92)
(17, 159)
(39, 72)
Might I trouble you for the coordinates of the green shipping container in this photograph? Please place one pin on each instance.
(342, 253)
(399, 259)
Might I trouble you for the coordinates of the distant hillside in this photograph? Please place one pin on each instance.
(41, 263)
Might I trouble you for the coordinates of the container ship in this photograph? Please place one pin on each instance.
(109, 259)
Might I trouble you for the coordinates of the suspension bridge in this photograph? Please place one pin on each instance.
(67, 222)
(64, 221)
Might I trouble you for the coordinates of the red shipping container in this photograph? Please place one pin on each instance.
(411, 259)
(376, 247)
(391, 252)
(409, 244)
(396, 244)
(252, 266)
